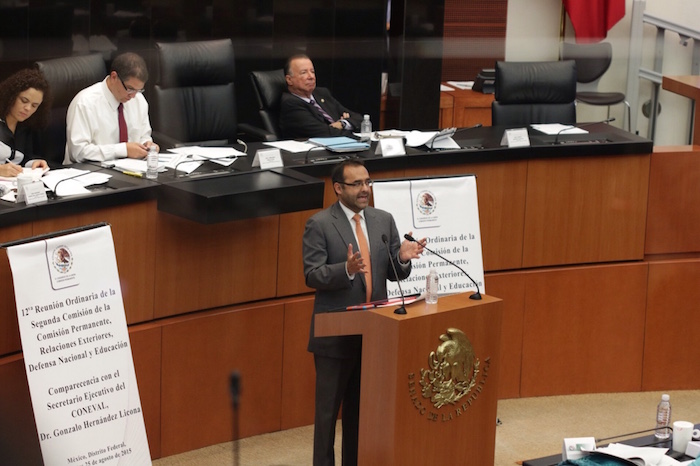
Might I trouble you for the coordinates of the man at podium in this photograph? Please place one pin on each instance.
(347, 250)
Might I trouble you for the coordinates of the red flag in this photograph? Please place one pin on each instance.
(592, 19)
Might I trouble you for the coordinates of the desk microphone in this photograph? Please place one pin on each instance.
(401, 309)
(448, 132)
(189, 158)
(476, 295)
(568, 128)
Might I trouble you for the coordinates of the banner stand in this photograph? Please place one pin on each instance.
(76, 348)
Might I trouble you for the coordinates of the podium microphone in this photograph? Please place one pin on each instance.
(568, 128)
(402, 308)
(476, 295)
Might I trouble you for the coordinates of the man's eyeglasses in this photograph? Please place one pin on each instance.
(358, 184)
(130, 90)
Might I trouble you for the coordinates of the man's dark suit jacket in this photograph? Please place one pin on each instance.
(325, 250)
(299, 119)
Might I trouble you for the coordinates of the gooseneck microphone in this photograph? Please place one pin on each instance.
(402, 308)
(570, 127)
(476, 295)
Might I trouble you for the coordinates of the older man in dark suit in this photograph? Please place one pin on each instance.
(308, 111)
(343, 273)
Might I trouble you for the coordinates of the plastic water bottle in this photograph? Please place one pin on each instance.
(152, 163)
(663, 418)
(366, 129)
(431, 287)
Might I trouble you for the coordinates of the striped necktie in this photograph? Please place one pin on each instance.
(323, 112)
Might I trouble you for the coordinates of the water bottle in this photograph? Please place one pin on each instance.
(663, 418)
(366, 129)
(152, 163)
(431, 287)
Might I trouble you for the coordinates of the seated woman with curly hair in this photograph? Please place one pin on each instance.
(22, 115)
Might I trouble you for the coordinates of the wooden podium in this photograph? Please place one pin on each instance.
(398, 424)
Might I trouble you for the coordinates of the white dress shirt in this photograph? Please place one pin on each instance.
(92, 126)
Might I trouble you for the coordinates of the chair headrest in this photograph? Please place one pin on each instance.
(592, 60)
(269, 86)
(535, 82)
(68, 76)
(198, 63)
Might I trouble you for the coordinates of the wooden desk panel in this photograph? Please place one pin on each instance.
(9, 330)
(510, 287)
(199, 354)
(688, 86)
(298, 372)
(583, 330)
(145, 348)
(19, 441)
(674, 201)
(501, 190)
(205, 266)
(134, 233)
(672, 313)
(471, 108)
(585, 209)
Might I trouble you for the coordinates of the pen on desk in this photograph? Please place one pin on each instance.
(136, 174)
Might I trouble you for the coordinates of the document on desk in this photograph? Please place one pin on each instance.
(640, 456)
(431, 138)
(557, 128)
(73, 181)
(222, 155)
(293, 146)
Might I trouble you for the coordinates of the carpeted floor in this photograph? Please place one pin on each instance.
(531, 428)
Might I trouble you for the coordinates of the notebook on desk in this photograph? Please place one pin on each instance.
(340, 144)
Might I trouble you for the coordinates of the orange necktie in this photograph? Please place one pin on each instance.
(364, 251)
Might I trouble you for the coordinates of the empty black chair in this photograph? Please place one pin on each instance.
(194, 99)
(269, 87)
(534, 92)
(592, 61)
(66, 76)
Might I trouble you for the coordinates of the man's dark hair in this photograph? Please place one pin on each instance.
(288, 64)
(130, 65)
(19, 82)
(338, 173)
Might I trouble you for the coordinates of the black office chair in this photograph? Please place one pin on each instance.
(269, 87)
(194, 101)
(534, 92)
(592, 61)
(66, 76)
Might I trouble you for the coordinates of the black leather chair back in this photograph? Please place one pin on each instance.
(269, 87)
(194, 97)
(66, 76)
(534, 92)
(592, 60)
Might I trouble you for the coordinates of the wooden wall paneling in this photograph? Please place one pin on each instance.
(298, 372)
(134, 232)
(673, 219)
(672, 312)
(501, 188)
(583, 330)
(9, 330)
(146, 352)
(205, 266)
(199, 354)
(19, 441)
(586, 209)
(510, 287)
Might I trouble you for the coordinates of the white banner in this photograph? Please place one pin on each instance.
(446, 212)
(77, 351)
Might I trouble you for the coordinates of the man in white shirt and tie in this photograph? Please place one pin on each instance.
(109, 120)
